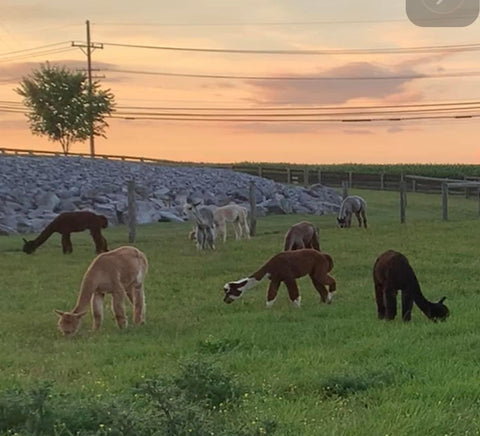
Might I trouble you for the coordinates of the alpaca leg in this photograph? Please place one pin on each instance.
(272, 292)
(407, 306)
(237, 229)
(293, 291)
(118, 307)
(138, 304)
(314, 243)
(349, 220)
(357, 214)
(97, 304)
(364, 216)
(246, 229)
(321, 289)
(380, 300)
(223, 230)
(66, 243)
(98, 240)
(390, 300)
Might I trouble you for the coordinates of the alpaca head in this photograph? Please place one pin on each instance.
(28, 246)
(342, 222)
(69, 322)
(234, 290)
(438, 311)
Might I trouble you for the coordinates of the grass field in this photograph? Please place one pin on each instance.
(318, 370)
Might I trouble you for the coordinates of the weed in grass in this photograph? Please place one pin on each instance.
(212, 345)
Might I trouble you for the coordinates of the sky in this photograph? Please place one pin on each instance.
(222, 119)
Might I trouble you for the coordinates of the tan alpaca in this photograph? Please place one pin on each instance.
(286, 267)
(301, 235)
(120, 272)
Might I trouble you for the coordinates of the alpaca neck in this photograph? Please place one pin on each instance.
(42, 237)
(87, 289)
(423, 304)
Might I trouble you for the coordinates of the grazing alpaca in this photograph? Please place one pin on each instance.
(69, 222)
(287, 267)
(204, 225)
(118, 272)
(235, 214)
(302, 235)
(352, 204)
(391, 273)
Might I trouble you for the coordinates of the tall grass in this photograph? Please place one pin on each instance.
(320, 370)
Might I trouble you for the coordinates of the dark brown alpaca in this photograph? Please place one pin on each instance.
(301, 235)
(69, 222)
(391, 273)
(287, 267)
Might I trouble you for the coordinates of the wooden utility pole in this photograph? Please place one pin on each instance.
(88, 49)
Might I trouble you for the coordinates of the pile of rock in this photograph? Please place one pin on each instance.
(33, 190)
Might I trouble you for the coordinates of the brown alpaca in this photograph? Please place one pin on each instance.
(301, 235)
(287, 267)
(392, 272)
(69, 222)
(118, 272)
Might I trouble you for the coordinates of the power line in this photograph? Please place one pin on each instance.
(300, 78)
(32, 55)
(41, 47)
(391, 50)
(331, 120)
(257, 23)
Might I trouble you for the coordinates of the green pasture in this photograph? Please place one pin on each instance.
(318, 370)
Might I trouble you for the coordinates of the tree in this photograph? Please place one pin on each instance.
(63, 107)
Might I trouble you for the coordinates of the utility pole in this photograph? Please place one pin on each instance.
(88, 49)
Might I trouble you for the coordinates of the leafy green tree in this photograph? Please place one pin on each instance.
(63, 106)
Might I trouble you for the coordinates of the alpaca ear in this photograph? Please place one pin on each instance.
(59, 312)
(79, 315)
(197, 203)
(24, 240)
(441, 300)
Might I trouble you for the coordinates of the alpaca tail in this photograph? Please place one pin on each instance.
(103, 221)
(329, 260)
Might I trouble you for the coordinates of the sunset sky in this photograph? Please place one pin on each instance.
(440, 77)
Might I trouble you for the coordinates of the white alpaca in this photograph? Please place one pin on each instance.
(235, 214)
(120, 272)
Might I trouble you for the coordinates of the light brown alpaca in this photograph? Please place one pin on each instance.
(286, 267)
(301, 235)
(118, 272)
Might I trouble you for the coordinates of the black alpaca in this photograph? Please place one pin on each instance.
(392, 272)
(69, 222)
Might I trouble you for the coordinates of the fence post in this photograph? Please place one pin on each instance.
(478, 194)
(260, 171)
(414, 185)
(320, 176)
(382, 181)
(403, 202)
(350, 179)
(344, 189)
(253, 209)
(289, 175)
(305, 177)
(445, 201)
(132, 212)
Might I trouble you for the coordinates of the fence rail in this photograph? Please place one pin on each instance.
(305, 176)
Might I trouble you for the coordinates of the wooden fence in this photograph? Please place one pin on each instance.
(305, 176)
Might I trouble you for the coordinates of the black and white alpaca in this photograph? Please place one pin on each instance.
(203, 225)
(353, 204)
(392, 272)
